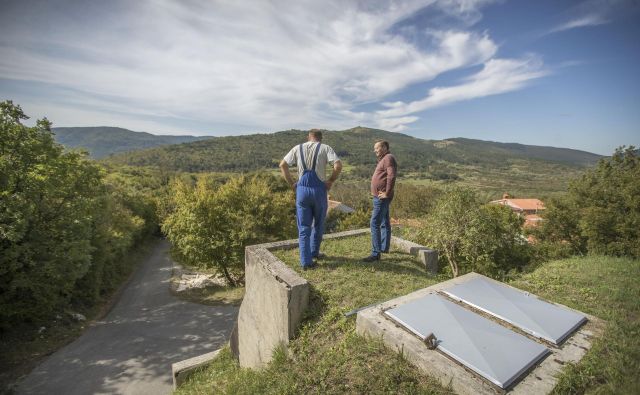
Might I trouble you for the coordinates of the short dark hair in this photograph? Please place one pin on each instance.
(316, 134)
(383, 142)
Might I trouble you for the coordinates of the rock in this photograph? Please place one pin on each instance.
(42, 329)
(78, 317)
(197, 280)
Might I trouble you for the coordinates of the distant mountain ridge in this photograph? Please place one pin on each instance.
(102, 141)
(554, 154)
(354, 146)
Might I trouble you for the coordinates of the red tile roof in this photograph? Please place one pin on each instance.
(521, 204)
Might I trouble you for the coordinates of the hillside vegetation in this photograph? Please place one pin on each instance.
(102, 141)
(493, 168)
(253, 152)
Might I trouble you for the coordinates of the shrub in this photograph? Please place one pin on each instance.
(601, 211)
(62, 227)
(211, 226)
(471, 236)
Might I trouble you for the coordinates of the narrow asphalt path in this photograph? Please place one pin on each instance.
(131, 350)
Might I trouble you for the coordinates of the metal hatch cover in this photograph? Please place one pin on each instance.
(537, 317)
(491, 350)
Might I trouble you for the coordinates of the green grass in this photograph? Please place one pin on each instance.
(328, 356)
(519, 178)
(608, 288)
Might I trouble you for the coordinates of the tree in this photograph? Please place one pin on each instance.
(601, 211)
(211, 226)
(64, 224)
(447, 226)
(46, 216)
(473, 236)
(558, 235)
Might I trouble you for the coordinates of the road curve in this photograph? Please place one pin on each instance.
(131, 350)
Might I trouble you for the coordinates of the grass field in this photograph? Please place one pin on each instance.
(328, 356)
(518, 179)
(608, 288)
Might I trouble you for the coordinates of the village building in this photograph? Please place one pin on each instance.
(530, 209)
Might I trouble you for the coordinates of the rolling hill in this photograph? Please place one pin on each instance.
(354, 146)
(102, 141)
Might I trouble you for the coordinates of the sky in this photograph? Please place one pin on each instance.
(545, 72)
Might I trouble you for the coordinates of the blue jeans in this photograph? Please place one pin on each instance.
(380, 226)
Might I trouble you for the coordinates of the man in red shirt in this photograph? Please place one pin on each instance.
(382, 183)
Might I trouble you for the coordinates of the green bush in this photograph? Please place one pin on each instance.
(62, 227)
(601, 211)
(210, 226)
(413, 201)
(470, 236)
(356, 220)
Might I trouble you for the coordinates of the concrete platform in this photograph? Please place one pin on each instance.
(276, 297)
(541, 379)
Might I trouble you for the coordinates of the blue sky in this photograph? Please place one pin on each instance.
(558, 73)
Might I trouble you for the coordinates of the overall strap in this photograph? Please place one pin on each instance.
(315, 157)
(304, 166)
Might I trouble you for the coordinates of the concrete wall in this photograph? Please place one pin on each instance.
(276, 298)
(428, 257)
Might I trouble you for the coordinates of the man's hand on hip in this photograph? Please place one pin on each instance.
(382, 195)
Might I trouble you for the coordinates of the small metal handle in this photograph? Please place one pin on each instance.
(430, 341)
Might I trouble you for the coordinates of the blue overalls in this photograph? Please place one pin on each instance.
(311, 209)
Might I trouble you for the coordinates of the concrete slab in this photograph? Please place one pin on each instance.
(183, 369)
(540, 380)
(427, 256)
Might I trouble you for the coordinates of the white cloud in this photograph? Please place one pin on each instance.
(594, 13)
(587, 20)
(267, 65)
(497, 76)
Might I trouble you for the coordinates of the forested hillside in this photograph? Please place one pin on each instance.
(354, 146)
(102, 141)
(66, 223)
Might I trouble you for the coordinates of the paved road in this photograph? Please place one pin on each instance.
(132, 349)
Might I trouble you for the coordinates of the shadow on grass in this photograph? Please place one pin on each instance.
(317, 306)
(396, 263)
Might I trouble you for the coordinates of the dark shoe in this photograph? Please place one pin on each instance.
(310, 267)
(371, 258)
(320, 256)
(386, 251)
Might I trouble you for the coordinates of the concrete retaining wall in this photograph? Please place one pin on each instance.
(427, 256)
(276, 298)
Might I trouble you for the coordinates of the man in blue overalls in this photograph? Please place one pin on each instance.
(311, 190)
